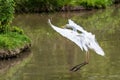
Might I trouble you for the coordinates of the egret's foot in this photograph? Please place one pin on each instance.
(77, 67)
(74, 69)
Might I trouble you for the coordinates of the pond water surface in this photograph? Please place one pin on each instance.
(52, 55)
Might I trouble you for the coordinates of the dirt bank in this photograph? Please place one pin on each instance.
(14, 52)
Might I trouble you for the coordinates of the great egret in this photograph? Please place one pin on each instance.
(85, 40)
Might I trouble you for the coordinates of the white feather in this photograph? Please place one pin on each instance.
(84, 40)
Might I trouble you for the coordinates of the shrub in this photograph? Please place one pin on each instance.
(6, 14)
(16, 29)
(13, 40)
(95, 3)
(50, 5)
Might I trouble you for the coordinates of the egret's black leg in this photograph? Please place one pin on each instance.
(77, 67)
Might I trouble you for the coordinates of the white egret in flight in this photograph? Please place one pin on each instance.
(85, 40)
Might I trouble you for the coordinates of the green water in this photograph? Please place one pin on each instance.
(52, 55)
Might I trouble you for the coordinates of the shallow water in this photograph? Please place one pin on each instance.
(52, 55)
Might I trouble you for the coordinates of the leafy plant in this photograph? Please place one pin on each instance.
(95, 3)
(12, 40)
(16, 29)
(51, 5)
(6, 14)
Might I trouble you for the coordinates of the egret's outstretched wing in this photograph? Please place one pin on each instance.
(89, 38)
(69, 34)
(97, 48)
(93, 44)
(78, 27)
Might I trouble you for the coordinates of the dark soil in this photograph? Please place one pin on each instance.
(14, 52)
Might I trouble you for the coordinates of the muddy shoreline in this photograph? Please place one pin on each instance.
(4, 53)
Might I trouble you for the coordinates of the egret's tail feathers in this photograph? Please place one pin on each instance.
(100, 52)
(95, 46)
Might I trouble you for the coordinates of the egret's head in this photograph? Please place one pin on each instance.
(66, 26)
(69, 26)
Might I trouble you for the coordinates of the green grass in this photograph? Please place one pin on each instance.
(12, 40)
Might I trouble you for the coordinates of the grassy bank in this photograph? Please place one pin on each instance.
(58, 5)
(10, 37)
(13, 40)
